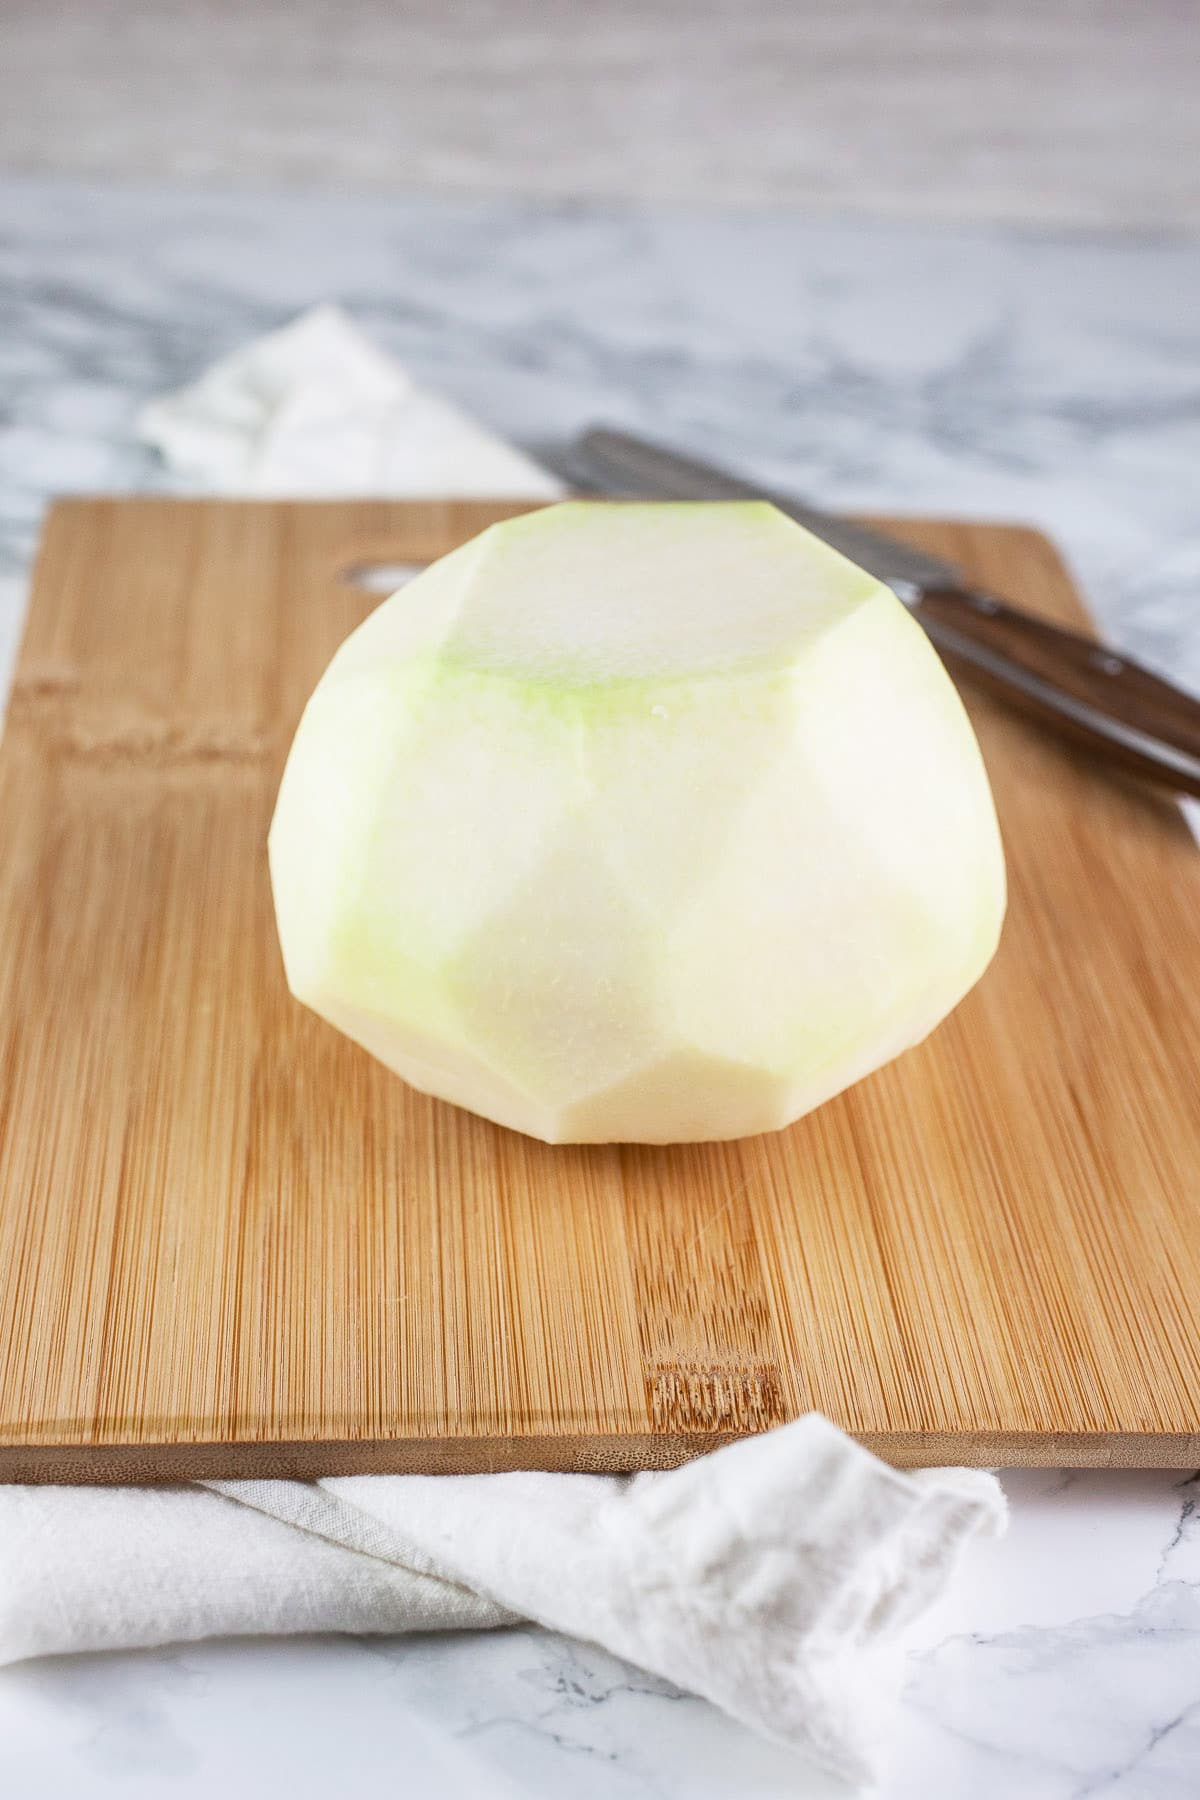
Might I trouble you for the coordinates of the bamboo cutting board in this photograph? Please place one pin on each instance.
(231, 1243)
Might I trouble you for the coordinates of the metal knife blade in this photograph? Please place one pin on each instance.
(617, 461)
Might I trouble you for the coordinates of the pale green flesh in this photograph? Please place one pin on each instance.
(648, 823)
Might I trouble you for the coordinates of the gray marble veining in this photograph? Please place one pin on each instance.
(987, 373)
(964, 373)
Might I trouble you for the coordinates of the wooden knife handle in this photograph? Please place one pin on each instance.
(1078, 687)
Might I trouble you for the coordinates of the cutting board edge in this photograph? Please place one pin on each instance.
(150, 1463)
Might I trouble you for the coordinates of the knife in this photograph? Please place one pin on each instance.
(1088, 693)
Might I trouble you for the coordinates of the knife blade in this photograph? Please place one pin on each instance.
(1092, 695)
(668, 475)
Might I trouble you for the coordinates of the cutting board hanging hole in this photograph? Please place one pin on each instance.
(381, 577)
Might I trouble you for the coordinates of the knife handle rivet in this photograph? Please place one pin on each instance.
(1107, 663)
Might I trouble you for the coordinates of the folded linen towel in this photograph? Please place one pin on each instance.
(774, 1576)
(317, 409)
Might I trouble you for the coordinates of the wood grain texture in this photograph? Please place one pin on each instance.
(231, 1243)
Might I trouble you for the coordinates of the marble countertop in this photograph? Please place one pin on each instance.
(1003, 375)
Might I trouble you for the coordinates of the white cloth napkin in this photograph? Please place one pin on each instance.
(318, 409)
(773, 1576)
